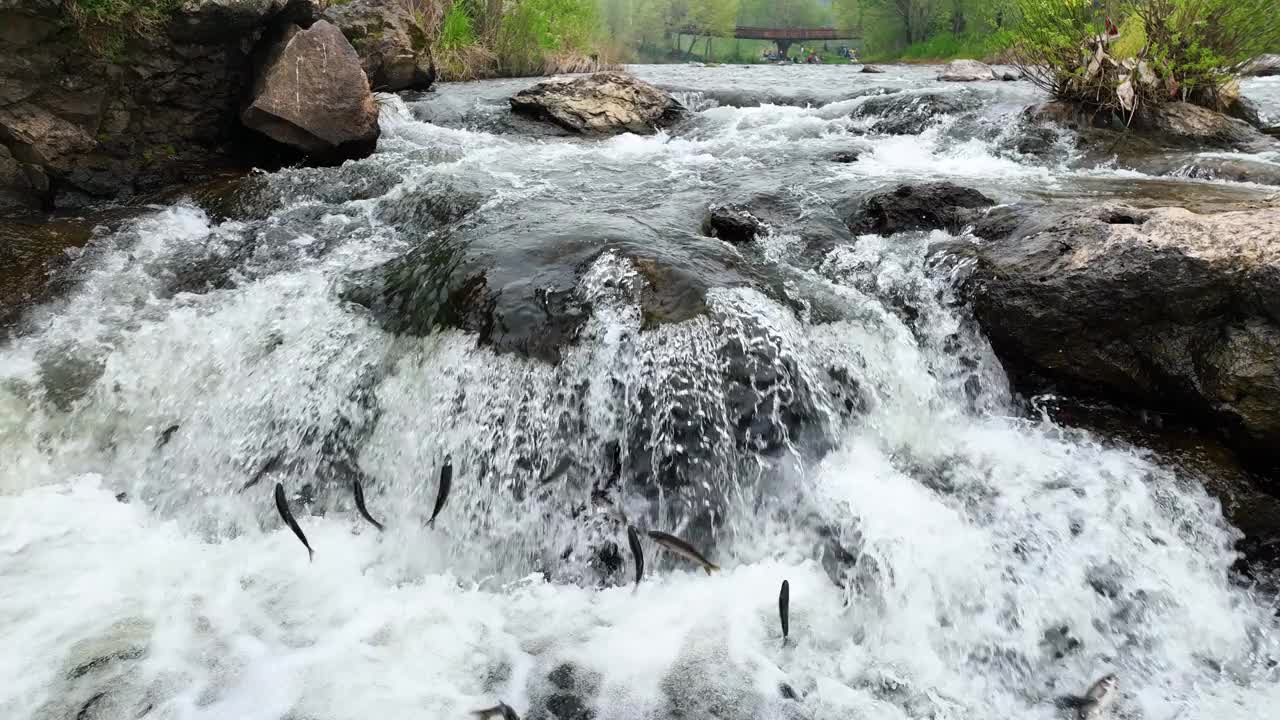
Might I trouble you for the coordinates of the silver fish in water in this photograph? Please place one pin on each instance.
(683, 549)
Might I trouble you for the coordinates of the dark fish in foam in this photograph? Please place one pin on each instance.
(166, 435)
(282, 505)
(633, 538)
(364, 512)
(683, 549)
(784, 609)
(561, 467)
(446, 482)
(501, 710)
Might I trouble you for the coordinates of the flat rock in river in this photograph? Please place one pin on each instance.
(966, 71)
(1178, 310)
(604, 103)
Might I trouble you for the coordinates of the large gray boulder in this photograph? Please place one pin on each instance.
(1262, 66)
(1186, 124)
(967, 71)
(604, 103)
(312, 95)
(393, 50)
(1177, 310)
(1170, 125)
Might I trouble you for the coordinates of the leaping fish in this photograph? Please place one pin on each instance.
(282, 505)
(364, 512)
(784, 609)
(633, 538)
(683, 549)
(446, 482)
(1095, 700)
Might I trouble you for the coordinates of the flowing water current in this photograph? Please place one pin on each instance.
(485, 293)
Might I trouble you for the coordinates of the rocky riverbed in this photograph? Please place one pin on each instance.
(991, 389)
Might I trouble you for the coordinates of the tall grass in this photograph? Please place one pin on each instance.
(946, 46)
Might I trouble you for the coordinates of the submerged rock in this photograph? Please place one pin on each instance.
(312, 95)
(912, 113)
(929, 206)
(1172, 308)
(605, 103)
(966, 71)
(871, 70)
(732, 223)
(393, 50)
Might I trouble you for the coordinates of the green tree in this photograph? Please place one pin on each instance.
(783, 13)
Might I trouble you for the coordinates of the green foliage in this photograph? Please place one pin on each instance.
(946, 46)
(108, 24)
(456, 31)
(1166, 49)
(784, 13)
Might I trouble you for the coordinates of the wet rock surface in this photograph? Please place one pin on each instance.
(930, 206)
(1176, 125)
(312, 96)
(393, 50)
(1164, 306)
(1263, 66)
(911, 113)
(967, 71)
(604, 103)
(163, 111)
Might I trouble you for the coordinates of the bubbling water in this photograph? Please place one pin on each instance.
(831, 417)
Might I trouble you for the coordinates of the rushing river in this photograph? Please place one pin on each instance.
(801, 407)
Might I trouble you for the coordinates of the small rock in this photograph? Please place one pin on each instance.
(930, 206)
(966, 71)
(732, 223)
(871, 70)
(847, 156)
(1010, 77)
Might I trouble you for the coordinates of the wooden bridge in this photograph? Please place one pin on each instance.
(791, 34)
(782, 37)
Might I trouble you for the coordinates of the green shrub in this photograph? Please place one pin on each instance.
(456, 31)
(1166, 49)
